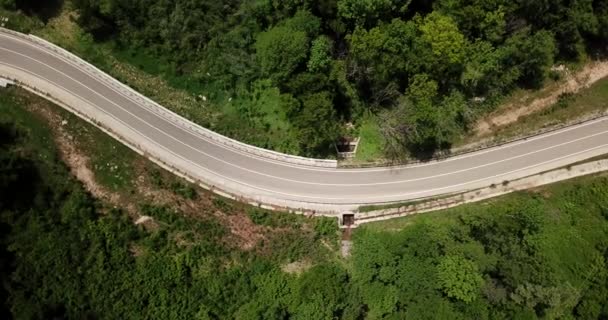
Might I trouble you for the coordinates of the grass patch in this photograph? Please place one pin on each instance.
(19, 22)
(374, 207)
(172, 183)
(156, 66)
(371, 144)
(112, 162)
(38, 134)
(273, 219)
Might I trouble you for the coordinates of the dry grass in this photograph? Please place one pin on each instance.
(528, 112)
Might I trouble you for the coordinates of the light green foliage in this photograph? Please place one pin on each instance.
(479, 19)
(326, 226)
(423, 91)
(454, 116)
(267, 108)
(320, 293)
(557, 301)
(524, 255)
(320, 54)
(371, 143)
(389, 51)
(494, 25)
(422, 121)
(483, 70)
(280, 50)
(459, 278)
(442, 34)
(304, 21)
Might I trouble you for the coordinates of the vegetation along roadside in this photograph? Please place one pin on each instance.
(75, 247)
(409, 77)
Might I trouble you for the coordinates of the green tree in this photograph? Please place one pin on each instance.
(484, 71)
(320, 54)
(319, 293)
(280, 51)
(444, 38)
(602, 17)
(531, 55)
(317, 123)
(367, 12)
(304, 21)
(268, 301)
(422, 122)
(385, 56)
(423, 90)
(459, 278)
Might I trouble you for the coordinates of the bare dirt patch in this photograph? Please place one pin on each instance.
(243, 233)
(573, 83)
(296, 267)
(76, 160)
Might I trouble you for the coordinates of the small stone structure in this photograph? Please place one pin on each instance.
(347, 147)
(347, 220)
(5, 82)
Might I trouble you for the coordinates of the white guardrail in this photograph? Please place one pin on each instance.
(168, 114)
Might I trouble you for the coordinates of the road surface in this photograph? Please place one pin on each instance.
(257, 179)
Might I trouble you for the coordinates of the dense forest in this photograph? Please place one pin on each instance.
(64, 255)
(290, 75)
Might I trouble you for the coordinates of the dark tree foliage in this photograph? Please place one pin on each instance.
(42, 9)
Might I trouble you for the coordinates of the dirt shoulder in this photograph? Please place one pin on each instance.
(529, 103)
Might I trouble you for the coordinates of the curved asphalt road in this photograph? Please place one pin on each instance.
(279, 183)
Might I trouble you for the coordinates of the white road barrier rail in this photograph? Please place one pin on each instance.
(157, 108)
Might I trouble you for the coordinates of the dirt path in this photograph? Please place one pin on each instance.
(76, 160)
(573, 83)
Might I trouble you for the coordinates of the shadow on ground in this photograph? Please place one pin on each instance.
(44, 10)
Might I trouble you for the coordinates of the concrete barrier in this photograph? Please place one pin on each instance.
(168, 114)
